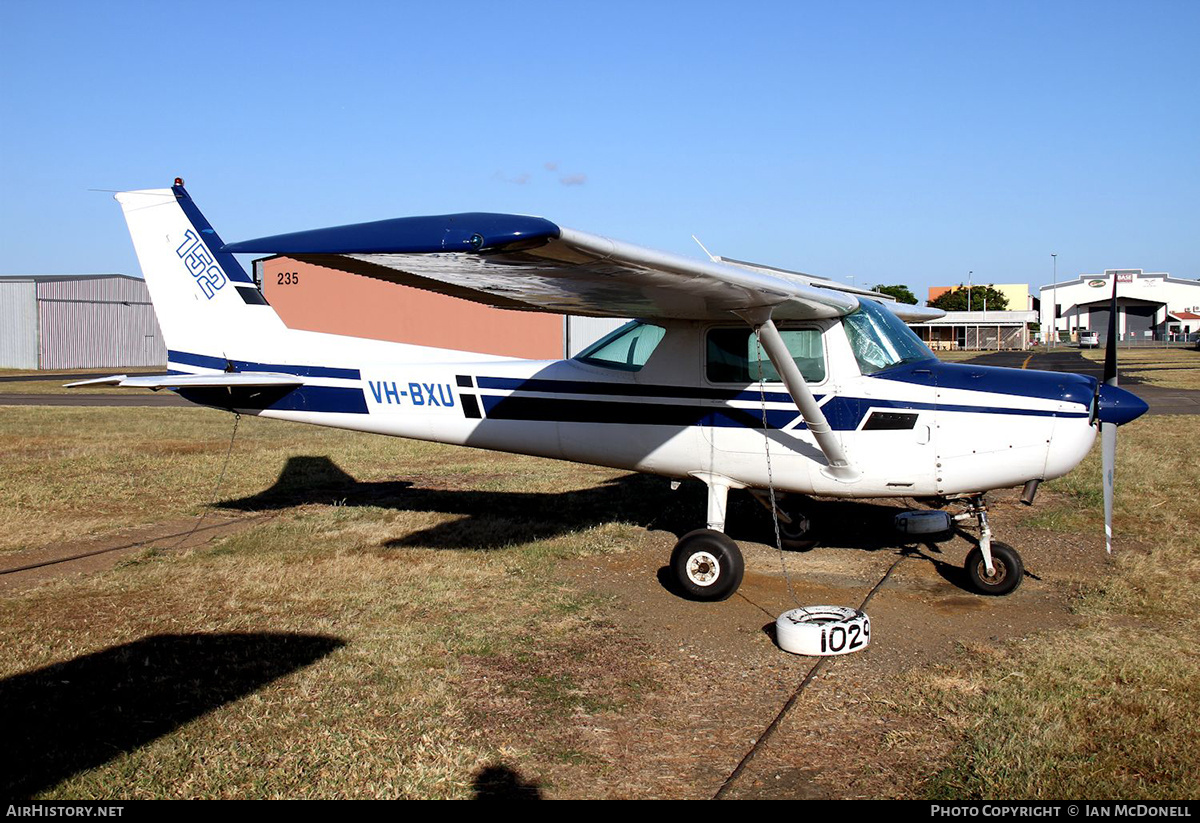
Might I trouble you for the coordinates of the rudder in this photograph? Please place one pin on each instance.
(205, 302)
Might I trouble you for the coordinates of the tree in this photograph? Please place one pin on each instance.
(901, 293)
(956, 299)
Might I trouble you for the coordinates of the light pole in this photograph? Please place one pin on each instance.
(969, 289)
(1054, 302)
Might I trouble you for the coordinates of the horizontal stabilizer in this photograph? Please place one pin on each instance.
(193, 381)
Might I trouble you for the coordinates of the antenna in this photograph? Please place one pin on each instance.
(706, 251)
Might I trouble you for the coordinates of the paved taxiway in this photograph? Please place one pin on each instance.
(1161, 400)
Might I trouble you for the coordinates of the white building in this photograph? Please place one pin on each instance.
(1150, 305)
(982, 330)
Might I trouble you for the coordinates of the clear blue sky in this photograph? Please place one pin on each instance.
(892, 142)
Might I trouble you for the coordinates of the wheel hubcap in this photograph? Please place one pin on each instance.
(703, 569)
(993, 579)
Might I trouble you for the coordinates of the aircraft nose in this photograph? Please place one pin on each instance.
(1119, 406)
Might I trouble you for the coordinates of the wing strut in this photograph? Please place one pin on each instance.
(840, 467)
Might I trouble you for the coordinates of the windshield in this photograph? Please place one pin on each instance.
(880, 340)
(628, 348)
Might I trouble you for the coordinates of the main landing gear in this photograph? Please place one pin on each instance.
(707, 564)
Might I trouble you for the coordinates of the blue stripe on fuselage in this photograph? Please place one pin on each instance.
(843, 413)
(1041, 385)
(302, 398)
(206, 361)
(846, 413)
(559, 410)
(546, 386)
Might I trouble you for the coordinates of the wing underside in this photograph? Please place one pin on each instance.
(530, 264)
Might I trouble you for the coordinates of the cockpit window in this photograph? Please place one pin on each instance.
(628, 348)
(735, 356)
(880, 340)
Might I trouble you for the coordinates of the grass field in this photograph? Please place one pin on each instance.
(333, 651)
(1169, 368)
(957, 356)
(58, 387)
(1110, 709)
(398, 629)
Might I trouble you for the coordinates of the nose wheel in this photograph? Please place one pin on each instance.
(993, 568)
(1006, 574)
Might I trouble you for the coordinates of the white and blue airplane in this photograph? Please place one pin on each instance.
(740, 376)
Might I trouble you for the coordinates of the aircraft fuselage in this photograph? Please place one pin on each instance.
(924, 428)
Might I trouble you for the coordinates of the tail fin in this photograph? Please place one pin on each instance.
(206, 305)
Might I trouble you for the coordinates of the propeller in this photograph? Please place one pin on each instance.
(1113, 407)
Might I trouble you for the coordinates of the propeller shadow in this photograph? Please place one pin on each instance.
(77, 715)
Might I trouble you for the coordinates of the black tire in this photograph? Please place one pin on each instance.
(707, 565)
(1008, 567)
(796, 535)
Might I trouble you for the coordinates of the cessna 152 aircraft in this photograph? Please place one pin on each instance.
(740, 376)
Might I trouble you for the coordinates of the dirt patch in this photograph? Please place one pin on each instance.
(30, 567)
(665, 697)
(724, 679)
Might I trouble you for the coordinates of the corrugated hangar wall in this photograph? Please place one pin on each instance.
(80, 322)
(315, 298)
(18, 324)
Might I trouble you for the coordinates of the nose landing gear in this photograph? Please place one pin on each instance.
(993, 568)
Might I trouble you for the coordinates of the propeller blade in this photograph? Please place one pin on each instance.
(1108, 463)
(1108, 430)
(1110, 346)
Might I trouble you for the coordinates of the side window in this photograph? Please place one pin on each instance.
(628, 348)
(734, 356)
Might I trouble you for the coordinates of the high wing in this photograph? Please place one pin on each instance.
(193, 381)
(531, 264)
(906, 312)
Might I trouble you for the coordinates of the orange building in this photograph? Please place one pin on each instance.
(937, 291)
(315, 298)
(1017, 293)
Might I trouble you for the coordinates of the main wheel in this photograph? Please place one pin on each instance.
(797, 535)
(707, 564)
(1007, 565)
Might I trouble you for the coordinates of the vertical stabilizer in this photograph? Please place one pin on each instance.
(206, 304)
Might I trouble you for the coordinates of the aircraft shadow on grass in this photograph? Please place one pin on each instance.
(494, 519)
(77, 715)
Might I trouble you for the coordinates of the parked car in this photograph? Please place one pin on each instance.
(1089, 340)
